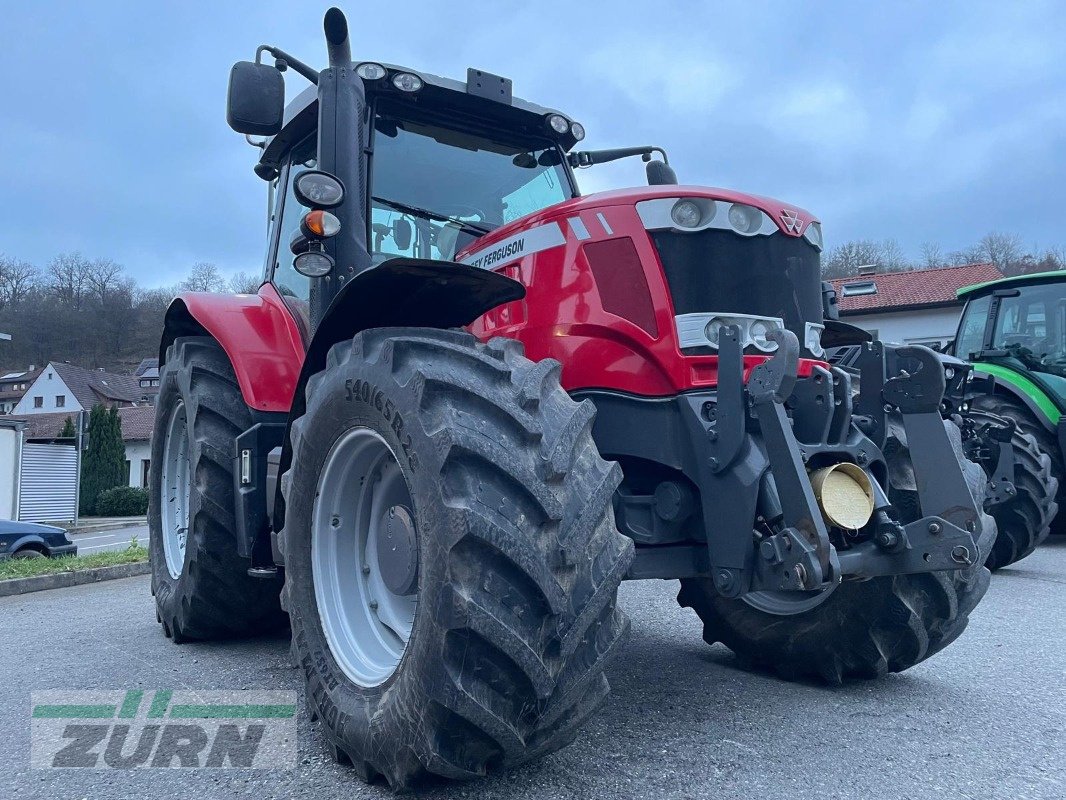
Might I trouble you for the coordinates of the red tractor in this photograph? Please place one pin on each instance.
(467, 402)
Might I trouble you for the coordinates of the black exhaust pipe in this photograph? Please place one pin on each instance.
(336, 29)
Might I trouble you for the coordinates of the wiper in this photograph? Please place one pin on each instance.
(470, 227)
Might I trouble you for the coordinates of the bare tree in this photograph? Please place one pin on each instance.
(1005, 250)
(932, 255)
(245, 283)
(17, 279)
(845, 259)
(204, 277)
(68, 274)
(102, 277)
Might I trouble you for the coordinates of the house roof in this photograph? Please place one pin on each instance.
(27, 377)
(46, 426)
(93, 386)
(910, 289)
(147, 364)
(137, 423)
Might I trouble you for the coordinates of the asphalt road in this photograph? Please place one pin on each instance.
(984, 719)
(100, 541)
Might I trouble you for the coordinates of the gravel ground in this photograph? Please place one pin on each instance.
(986, 718)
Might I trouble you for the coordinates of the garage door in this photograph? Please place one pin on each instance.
(48, 487)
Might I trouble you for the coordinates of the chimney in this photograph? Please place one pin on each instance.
(868, 269)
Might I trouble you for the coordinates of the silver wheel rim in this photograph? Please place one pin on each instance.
(367, 626)
(175, 490)
(785, 604)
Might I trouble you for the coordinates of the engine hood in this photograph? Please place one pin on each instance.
(790, 219)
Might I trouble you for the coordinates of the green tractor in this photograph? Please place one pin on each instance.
(1013, 333)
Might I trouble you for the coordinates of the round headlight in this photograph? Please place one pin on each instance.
(317, 189)
(713, 331)
(745, 219)
(760, 335)
(558, 123)
(313, 264)
(370, 71)
(578, 131)
(407, 82)
(686, 214)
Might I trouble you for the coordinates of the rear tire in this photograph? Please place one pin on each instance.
(1024, 521)
(864, 629)
(211, 595)
(519, 559)
(1005, 405)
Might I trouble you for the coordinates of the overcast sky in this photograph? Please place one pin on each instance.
(915, 121)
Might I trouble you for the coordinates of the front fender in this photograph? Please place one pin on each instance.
(257, 331)
(400, 292)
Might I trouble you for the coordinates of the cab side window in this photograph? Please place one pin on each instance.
(288, 281)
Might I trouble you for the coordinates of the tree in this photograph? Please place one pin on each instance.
(244, 283)
(68, 274)
(1005, 250)
(17, 279)
(204, 277)
(104, 463)
(932, 255)
(845, 259)
(68, 431)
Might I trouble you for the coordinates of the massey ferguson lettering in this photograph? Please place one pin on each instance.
(502, 253)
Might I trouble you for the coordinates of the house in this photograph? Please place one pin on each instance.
(136, 422)
(68, 388)
(147, 374)
(13, 385)
(910, 307)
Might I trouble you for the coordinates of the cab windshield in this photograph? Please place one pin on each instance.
(434, 190)
(1030, 328)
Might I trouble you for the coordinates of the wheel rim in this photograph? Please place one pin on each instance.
(367, 625)
(174, 511)
(784, 604)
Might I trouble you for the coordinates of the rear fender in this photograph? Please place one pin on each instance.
(400, 292)
(257, 331)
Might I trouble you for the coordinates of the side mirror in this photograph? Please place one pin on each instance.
(401, 233)
(255, 103)
(660, 174)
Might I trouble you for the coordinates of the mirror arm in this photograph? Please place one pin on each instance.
(586, 158)
(288, 61)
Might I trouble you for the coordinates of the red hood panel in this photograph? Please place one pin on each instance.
(630, 197)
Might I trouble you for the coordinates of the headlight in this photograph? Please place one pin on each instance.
(812, 339)
(745, 219)
(407, 82)
(578, 131)
(316, 189)
(370, 71)
(705, 330)
(558, 123)
(686, 214)
(759, 334)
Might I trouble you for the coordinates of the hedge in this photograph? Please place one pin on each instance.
(122, 501)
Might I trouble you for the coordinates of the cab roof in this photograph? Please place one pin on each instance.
(978, 289)
(484, 99)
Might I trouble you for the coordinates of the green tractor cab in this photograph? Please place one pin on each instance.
(1013, 332)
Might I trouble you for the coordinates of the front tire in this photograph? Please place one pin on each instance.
(1025, 520)
(201, 584)
(518, 557)
(864, 629)
(1004, 405)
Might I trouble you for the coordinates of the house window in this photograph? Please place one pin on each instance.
(38, 402)
(127, 478)
(145, 466)
(861, 287)
(49, 376)
(61, 400)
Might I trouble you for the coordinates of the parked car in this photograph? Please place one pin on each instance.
(30, 540)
